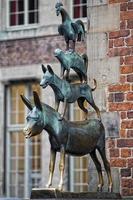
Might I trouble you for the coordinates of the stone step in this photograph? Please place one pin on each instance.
(41, 193)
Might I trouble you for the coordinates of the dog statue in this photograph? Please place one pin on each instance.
(68, 93)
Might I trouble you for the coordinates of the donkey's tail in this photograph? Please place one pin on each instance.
(85, 58)
(95, 85)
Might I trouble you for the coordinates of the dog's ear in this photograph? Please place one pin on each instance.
(44, 69)
(50, 69)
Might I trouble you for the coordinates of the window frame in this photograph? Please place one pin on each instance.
(26, 25)
(10, 128)
(84, 19)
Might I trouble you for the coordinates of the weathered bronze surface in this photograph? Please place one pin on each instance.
(70, 59)
(68, 93)
(41, 193)
(69, 29)
(75, 138)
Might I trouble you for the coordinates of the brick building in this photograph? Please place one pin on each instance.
(28, 38)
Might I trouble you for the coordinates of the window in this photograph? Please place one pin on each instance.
(23, 156)
(23, 12)
(78, 165)
(79, 8)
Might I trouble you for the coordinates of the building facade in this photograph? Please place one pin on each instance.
(28, 38)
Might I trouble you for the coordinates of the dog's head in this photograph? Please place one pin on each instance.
(47, 76)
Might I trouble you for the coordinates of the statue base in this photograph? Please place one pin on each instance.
(52, 193)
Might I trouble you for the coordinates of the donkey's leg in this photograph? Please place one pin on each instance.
(61, 167)
(51, 167)
(99, 169)
(107, 168)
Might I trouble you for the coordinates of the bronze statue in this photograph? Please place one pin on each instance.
(68, 93)
(69, 29)
(74, 138)
(72, 60)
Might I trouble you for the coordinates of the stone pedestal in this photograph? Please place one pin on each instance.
(52, 193)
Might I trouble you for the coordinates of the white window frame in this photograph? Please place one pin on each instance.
(26, 25)
(84, 19)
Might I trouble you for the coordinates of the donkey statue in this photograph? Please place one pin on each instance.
(68, 93)
(74, 138)
(70, 30)
(72, 60)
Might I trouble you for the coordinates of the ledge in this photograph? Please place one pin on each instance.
(52, 193)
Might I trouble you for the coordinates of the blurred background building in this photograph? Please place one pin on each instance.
(28, 38)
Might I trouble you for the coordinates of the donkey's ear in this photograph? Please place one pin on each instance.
(26, 102)
(44, 69)
(37, 100)
(50, 69)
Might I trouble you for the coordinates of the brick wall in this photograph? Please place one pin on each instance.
(121, 97)
(32, 51)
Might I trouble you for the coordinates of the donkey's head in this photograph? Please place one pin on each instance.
(58, 7)
(47, 77)
(35, 119)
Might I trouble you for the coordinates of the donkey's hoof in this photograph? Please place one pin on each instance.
(86, 117)
(110, 188)
(60, 187)
(99, 188)
(48, 185)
